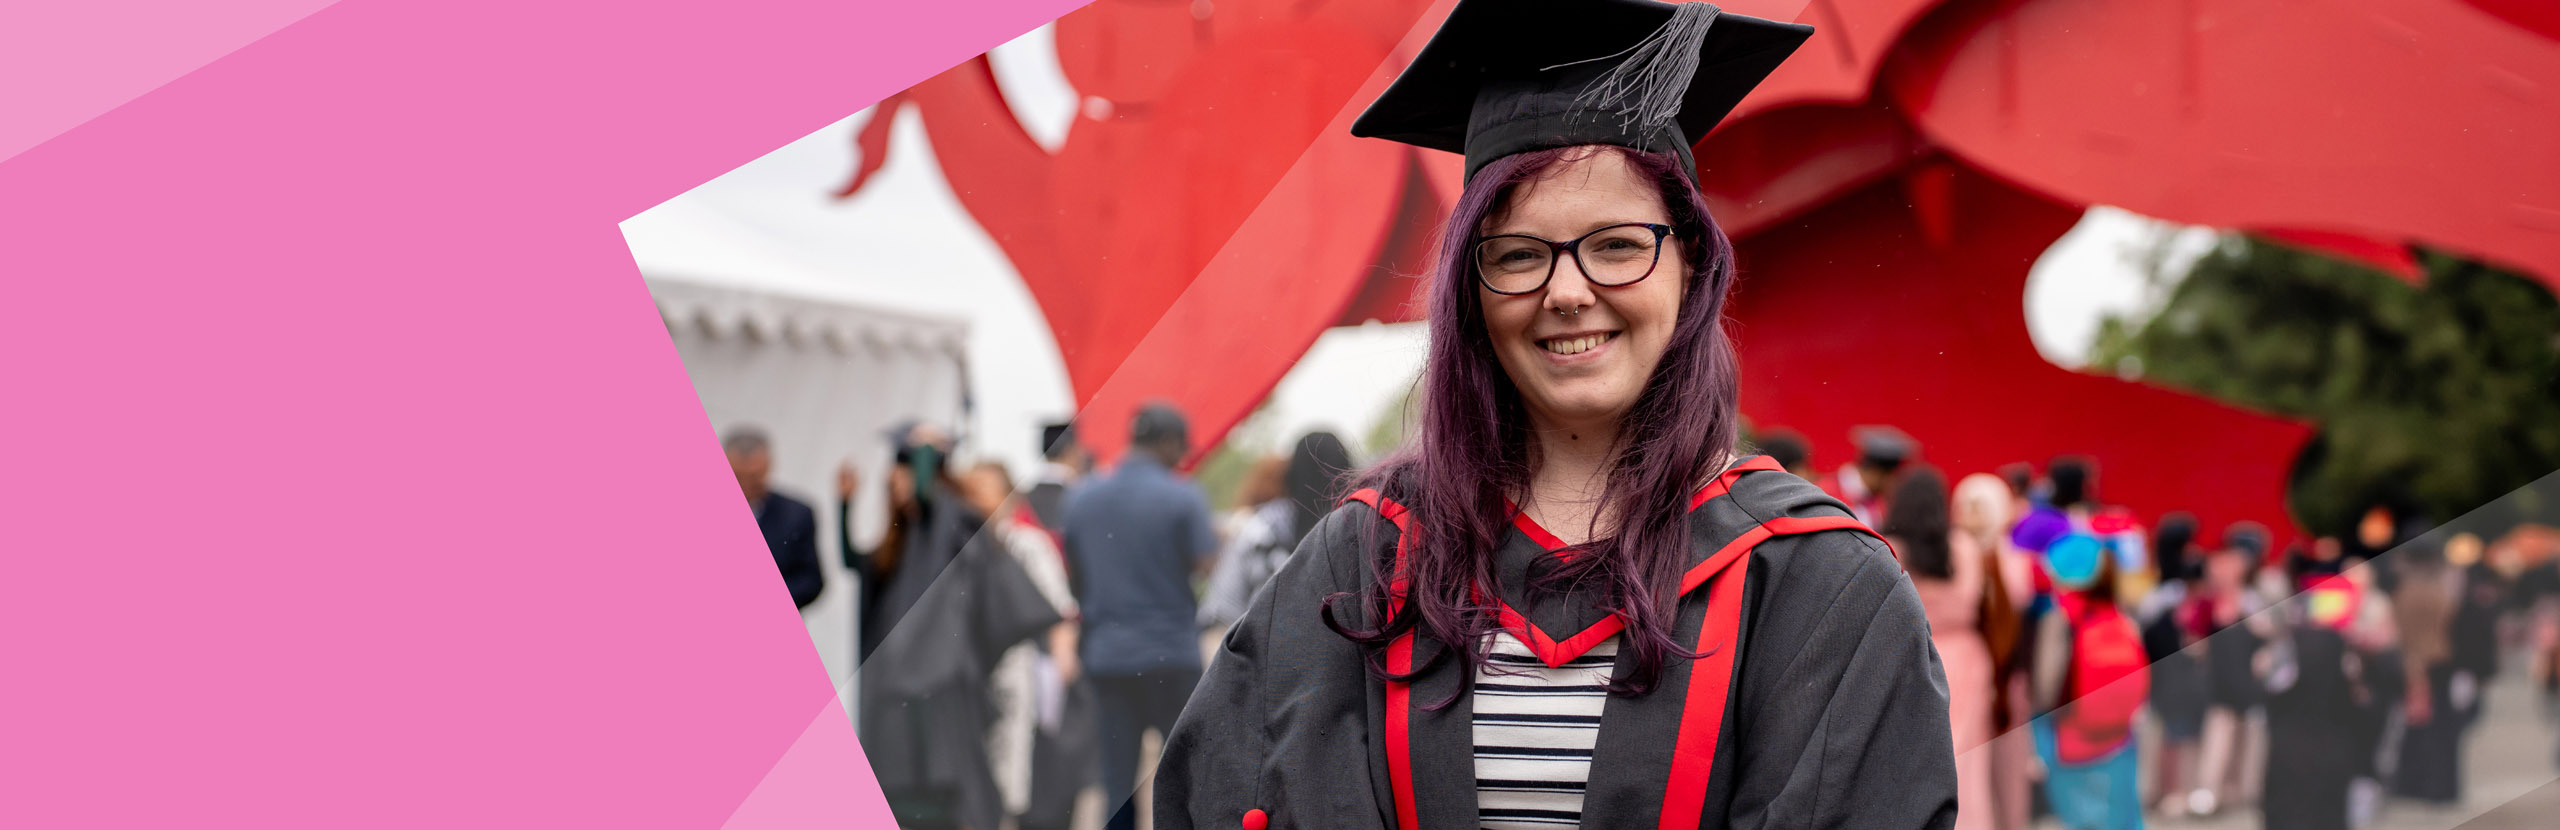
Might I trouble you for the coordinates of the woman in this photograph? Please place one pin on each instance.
(2424, 604)
(2482, 593)
(1305, 490)
(1032, 680)
(1917, 521)
(946, 606)
(1567, 601)
(1985, 506)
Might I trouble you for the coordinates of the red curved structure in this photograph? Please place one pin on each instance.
(1888, 188)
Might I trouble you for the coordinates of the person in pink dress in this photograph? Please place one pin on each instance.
(1983, 513)
(1919, 525)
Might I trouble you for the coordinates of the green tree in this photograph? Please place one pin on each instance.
(2449, 392)
(1387, 431)
(1222, 472)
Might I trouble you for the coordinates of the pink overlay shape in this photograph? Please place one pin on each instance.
(355, 481)
(65, 61)
(810, 780)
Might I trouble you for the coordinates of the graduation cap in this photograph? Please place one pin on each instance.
(1512, 76)
(1056, 438)
(1882, 446)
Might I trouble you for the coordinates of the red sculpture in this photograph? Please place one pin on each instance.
(1888, 188)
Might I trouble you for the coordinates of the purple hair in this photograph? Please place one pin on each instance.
(1474, 447)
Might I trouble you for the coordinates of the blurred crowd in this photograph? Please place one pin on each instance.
(1063, 621)
(2308, 684)
(2099, 670)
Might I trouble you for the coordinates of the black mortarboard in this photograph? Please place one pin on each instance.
(1511, 76)
(1056, 438)
(1882, 446)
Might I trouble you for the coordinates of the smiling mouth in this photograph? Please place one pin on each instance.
(1576, 344)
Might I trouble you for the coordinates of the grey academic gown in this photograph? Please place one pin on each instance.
(1819, 703)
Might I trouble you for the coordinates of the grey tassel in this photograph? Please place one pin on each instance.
(1646, 88)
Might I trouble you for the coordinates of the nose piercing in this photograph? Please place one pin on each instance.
(1563, 313)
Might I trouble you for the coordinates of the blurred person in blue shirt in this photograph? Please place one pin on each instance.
(1135, 540)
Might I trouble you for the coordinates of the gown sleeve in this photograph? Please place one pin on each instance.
(1009, 607)
(1281, 719)
(1848, 725)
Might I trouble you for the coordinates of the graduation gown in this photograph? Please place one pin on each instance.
(1820, 702)
(926, 697)
(2310, 760)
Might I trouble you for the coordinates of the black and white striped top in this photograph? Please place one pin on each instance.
(1534, 730)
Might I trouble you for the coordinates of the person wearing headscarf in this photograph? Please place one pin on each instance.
(1571, 599)
(1258, 549)
(1983, 511)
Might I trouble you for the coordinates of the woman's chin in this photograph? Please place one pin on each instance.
(1583, 408)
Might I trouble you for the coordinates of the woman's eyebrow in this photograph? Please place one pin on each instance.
(1587, 230)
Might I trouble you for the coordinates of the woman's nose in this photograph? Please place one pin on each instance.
(1569, 290)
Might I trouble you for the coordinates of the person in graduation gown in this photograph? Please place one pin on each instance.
(2315, 683)
(2481, 593)
(1033, 679)
(1568, 600)
(2424, 604)
(949, 602)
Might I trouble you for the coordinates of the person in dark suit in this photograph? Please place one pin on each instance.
(790, 527)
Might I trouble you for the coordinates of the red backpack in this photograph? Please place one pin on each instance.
(2110, 680)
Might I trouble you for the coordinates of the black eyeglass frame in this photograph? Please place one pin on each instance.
(1556, 252)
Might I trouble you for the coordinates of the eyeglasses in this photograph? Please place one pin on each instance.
(1517, 263)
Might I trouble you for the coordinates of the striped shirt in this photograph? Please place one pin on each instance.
(1534, 730)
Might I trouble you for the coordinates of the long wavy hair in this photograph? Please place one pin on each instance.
(1474, 450)
(1919, 521)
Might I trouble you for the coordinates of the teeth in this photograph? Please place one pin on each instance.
(1575, 345)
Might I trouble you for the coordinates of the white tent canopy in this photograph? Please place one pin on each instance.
(824, 380)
